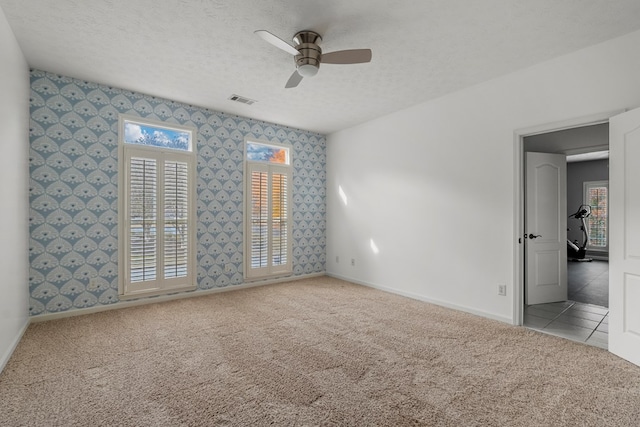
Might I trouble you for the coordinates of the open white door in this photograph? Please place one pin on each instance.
(546, 228)
(624, 232)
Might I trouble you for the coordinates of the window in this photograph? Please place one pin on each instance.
(596, 195)
(268, 219)
(157, 213)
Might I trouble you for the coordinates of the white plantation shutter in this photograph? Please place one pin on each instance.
(176, 227)
(159, 217)
(269, 242)
(259, 219)
(143, 219)
(279, 218)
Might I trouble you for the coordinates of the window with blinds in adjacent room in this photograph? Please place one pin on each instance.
(596, 195)
(157, 214)
(268, 190)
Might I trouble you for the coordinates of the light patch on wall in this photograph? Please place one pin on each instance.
(342, 195)
(374, 247)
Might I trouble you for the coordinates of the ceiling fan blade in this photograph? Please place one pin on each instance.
(277, 42)
(294, 80)
(352, 56)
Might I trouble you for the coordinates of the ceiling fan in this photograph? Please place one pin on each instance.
(308, 54)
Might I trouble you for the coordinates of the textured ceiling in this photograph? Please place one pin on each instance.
(202, 51)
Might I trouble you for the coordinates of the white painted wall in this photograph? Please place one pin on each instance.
(14, 215)
(433, 185)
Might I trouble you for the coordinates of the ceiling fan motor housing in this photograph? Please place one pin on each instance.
(310, 54)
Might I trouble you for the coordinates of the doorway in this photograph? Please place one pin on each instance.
(580, 313)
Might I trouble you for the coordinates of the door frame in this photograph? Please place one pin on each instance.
(519, 270)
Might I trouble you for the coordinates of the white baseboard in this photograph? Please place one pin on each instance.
(418, 297)
(7, 354)
(163, 298)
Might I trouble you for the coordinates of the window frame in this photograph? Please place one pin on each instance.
(249, 166)
(126, 151)
(586, 185)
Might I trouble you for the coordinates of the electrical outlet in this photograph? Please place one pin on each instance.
(502, 290)
(337, 259)
(228, 268)
(353, 262)
(93, 283)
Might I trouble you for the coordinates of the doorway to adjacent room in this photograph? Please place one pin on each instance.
(581, 312)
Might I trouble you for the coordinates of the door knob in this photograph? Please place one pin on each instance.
(534, 236)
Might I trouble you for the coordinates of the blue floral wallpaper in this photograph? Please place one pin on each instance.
(74, 190)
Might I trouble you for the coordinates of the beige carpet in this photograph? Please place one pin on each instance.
(313, 352)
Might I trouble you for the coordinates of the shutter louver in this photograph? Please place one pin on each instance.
(176, 231)
(143, 219)
(259, 219)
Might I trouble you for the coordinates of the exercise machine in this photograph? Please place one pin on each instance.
(575, 252)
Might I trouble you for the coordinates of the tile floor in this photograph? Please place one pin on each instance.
(572, 320)
(585, 317)
(589, 282)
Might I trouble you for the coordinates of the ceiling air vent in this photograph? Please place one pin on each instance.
(242, 99)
